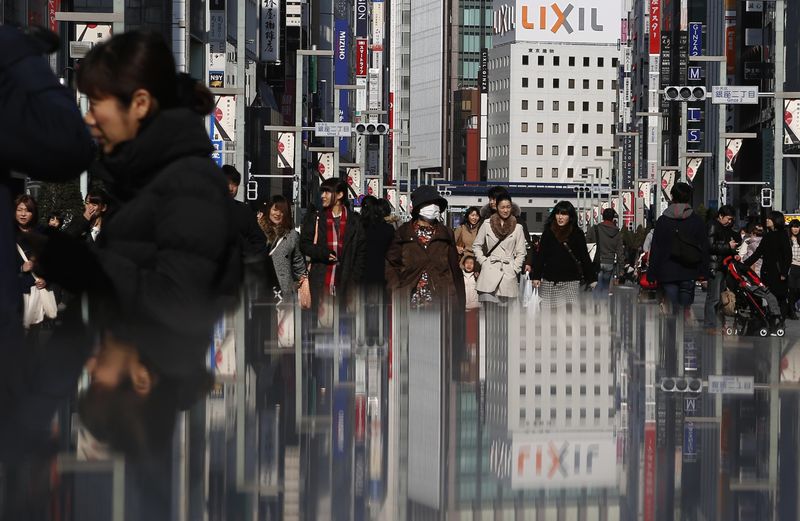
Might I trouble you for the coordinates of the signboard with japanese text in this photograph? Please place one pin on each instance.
(655, 26)
(734, 95)
(732, 148)
(217, 27)
(285, 150)
(270, 35)
(742, 385)
(791, 126)
(628, 162)
(224, 118)
(693, 167)
(361, 58)
(378, 23)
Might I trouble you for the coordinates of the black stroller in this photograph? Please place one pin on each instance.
(755, 310)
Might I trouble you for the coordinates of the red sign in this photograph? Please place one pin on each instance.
(391, 136)
(655, 26)
(361, 58)
(53, 6)
(650, 471)
(361, 417)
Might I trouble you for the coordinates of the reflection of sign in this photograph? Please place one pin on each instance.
(270, 30)
(737, 95)
(564, 463)
(791, 126)
(743, 385)
(285, 150)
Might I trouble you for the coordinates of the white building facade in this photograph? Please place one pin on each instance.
(553, 90)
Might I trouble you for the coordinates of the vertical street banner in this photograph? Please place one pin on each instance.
(377, 24)
(270, 30)
(655, 26)
(484, 89)
(791, 126)
(294, 13)
(53, 6)
(695, 39)
(217, 27)
(692, 168)
(628, 162)
(362, 18)
(342, 74)
(325, 165)
(732, 148)
(355, 181)
(285, 149)
(668, 178)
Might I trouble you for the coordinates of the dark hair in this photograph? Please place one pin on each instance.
(98, 196)
(495, 191)
(56, 215)
(374, 212)
(232, 174)
(681, 193)
(281, 203)
(30, 204)
(726, 210)
(777, 219)
(335, 185)
(468, 212)
(794, 223)
(503, 196)
(609, 214)
(140, 60)
(563, 207)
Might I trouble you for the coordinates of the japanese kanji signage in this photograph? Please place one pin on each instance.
(655, 26)
(738, 95)
(270, 30)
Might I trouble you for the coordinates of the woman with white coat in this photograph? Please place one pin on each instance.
(500, 250)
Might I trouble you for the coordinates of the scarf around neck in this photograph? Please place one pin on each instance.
(501, 228)
(562, 233)
(335, 241)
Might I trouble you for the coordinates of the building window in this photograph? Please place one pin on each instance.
(540, 128)
(523, 172)
(599, 128)
(597, 371)
(539, 150)
(571, 83)
(556, 60)
(540, 60)
(599, 106)
(586, 61)
(585, 106)
(554, 173)
(572, 61)
(570, 128)
(585, 151)
(570, 173)
(584, 173)
(555, 150)
(614, 62)
(571, 106)
(537, 368)
(600, 84)
(524, 104)
(524, 82)
(522, 368)
(583, 390)
(597, 414)
(585, 128)
(523, 149)
(599, 151)
(524, 126)
(613, 129)
(553, 390)
(583, 413)
(540, 83)
(537, 390)
(522, 390)
(600, 62)
(556, 83)
(553, 414)
(522, 414)
(540, 104)
(524, 59)
(555, 128)
(585, 84)
(597, 390)
(539, 172)
(568, 414)
(570, 152)
(555, 105)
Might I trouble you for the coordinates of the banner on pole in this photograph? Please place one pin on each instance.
(692, 168)
(285, 150)
(732, 148)
(270, 30)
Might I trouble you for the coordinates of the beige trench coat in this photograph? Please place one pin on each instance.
(499, 271)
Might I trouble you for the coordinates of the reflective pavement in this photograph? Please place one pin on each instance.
(608, 410)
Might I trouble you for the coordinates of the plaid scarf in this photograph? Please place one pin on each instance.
(335, 240)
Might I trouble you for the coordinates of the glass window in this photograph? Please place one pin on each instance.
(524, 82)
(555, 150)
(522, 414)
(572, 61)
(555, 105)
(599, 106)
(600, 84)
(583, 390)
(555, 83)
(524, 59)
(524, 126)
(523, 149)
(522, 368)
(571, 83)
(555, 128)
(540, 60)
(568, 390)
(554, 173)
(613, 84)
(540, 128)
(568, 414)
(537, 390)
(583, 413)
(570, 152)
(597, 371)
(600, 62)
(539, 150)
(597, 390)
(585, 128)
(539, 172)
(570, 173)
(540, 104)
(597, 414)
(540, 83)
(553, 414)
(571, 106)
(570, 128)
(599, 128)
(556, 60)
(538, 413)
(584, 173)
(522, 390)
(537, 368)
(524, 104)
(585, 106)
(586, 61)
(553, 390)
(523, 172)
(599, 151)
(585, 151)
(585, 84)
(614, 62)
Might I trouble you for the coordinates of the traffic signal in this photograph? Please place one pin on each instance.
(766, 197)
(681, 385)
(684, 93)
(372, 129)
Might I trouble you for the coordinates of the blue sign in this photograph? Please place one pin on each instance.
(694, 115)
(689, 442)
(216, 155)
(342, 76)
(694, 135)
(695, 39)
(695, 73)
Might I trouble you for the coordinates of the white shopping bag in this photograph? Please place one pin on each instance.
(526, 291)
(534, 303)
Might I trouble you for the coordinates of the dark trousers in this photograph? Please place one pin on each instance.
(679, 295)
(715, 287)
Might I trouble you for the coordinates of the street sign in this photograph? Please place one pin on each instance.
(695, 39)
(694, 135)
(695, 73)
(743, 385)
(331, 129)
(736, 95)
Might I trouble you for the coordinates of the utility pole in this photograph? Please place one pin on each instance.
(780, 80)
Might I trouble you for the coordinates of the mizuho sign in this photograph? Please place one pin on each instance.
(574, 21)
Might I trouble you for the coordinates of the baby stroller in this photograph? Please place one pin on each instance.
(648, 289)
(755, 310)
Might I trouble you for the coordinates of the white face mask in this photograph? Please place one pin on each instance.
(430, 213)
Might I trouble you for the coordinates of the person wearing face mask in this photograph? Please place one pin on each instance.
(563, 261)
(500, 250)
(754, 234)
(422, 261)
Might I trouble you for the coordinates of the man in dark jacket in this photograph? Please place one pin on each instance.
(333, 239)
(679, 253)
(723, 242)
(609, 255)
(254, 242)
(49, 142)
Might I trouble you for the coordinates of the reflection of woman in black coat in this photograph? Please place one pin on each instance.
(776, 252)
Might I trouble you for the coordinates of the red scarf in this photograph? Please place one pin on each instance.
(335, 240)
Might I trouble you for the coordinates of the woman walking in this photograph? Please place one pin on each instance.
(563, 261)
(467, 231)
(500, 250)
(283, 245)
(794, 269)
(776, 252)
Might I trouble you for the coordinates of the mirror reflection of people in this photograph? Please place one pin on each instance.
(166, 263)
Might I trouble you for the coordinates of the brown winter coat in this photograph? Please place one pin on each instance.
(406, 260)
(465, 236)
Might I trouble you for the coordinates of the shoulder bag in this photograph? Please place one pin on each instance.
(38, 303)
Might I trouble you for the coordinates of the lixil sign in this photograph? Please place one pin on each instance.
(572, 21)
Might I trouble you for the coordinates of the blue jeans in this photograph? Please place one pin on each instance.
(604, 276)
(679, 295)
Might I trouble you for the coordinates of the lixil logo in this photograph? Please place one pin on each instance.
(556, 19)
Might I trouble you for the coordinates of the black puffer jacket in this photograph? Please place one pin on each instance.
(553, 262)
(168, 256)
(719, 238)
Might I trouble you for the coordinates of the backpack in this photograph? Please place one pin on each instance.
(684, 251)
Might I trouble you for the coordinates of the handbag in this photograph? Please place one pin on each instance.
(527, 291)
(38, 303)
